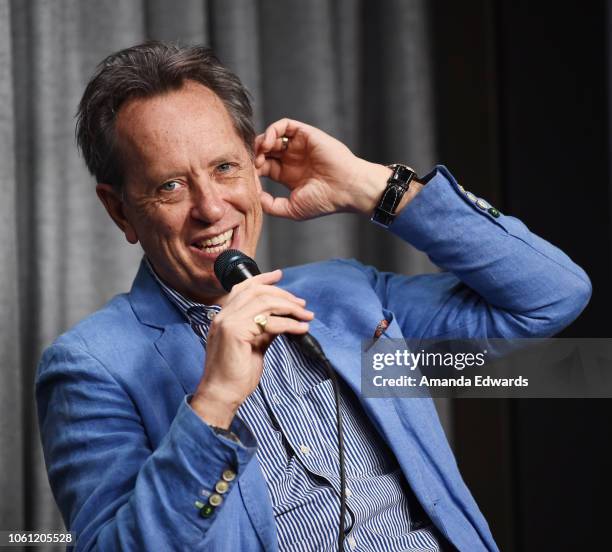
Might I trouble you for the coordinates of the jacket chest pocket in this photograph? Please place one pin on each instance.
(387, 327)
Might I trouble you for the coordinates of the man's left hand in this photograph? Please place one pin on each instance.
(324, 176)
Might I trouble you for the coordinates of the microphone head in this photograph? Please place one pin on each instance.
(231, 267)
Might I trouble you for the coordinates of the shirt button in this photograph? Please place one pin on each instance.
(276, 399)
(347, 493)
(211, 314)
(305, 449)
(352, 542)
(228, 475)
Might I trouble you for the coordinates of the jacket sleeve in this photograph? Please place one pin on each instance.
(501, 280)
(113, 490)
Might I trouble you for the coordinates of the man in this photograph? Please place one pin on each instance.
(152, 409)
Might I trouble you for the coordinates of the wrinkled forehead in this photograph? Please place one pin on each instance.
(186, 126)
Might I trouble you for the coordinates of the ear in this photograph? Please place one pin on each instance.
(257, 180)
(115, 206)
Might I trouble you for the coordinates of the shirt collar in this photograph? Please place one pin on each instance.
(194, 312)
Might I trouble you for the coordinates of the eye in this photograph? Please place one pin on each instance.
(225, 167)
(170, 186)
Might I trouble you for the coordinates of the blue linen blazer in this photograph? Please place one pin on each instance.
(128, 458)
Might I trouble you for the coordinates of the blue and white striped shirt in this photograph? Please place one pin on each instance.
(292, 416)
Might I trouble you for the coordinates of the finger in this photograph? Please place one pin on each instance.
(278, 148)
(271, 168)
(280, 306)
(270, 277)
(253, 289)
(273, 132)
(258, 295)
(277, 325)
(273, 308)
(265, 278)
(277, 206)
(268, 300)
(257, 146)
(298, 316)
(278, 315)
(283, 127)
(240, 317)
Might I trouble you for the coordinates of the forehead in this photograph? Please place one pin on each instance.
(171, 128)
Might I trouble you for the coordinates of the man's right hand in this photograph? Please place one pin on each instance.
(236, 344)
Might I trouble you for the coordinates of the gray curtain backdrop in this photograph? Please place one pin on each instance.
(357, 69)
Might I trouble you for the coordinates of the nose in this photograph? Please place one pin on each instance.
(208, 204)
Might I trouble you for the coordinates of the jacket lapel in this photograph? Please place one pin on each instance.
(183, 352)
(177, 344)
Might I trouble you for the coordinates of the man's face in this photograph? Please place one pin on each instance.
(190, 187)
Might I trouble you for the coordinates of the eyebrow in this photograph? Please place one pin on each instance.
(233, 155)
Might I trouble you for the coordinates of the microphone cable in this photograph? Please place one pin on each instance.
(232, 267)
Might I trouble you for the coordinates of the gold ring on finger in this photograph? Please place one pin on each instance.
(261, 320)
(284, 142)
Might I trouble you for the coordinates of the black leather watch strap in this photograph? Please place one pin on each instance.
(397, 186)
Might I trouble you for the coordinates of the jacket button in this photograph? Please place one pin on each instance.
(228, 475)
(207, 510)
(494, 212)
(215, 499)
(222, 487)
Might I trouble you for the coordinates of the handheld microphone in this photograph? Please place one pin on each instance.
(232, 267)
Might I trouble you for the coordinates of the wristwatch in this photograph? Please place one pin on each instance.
(397, 186)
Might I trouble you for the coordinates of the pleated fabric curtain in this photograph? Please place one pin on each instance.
(357, 69)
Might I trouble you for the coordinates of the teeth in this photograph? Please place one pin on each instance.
(218, 239)
(218, 243)
(217, 248)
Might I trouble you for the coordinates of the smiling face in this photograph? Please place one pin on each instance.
(190, 187)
